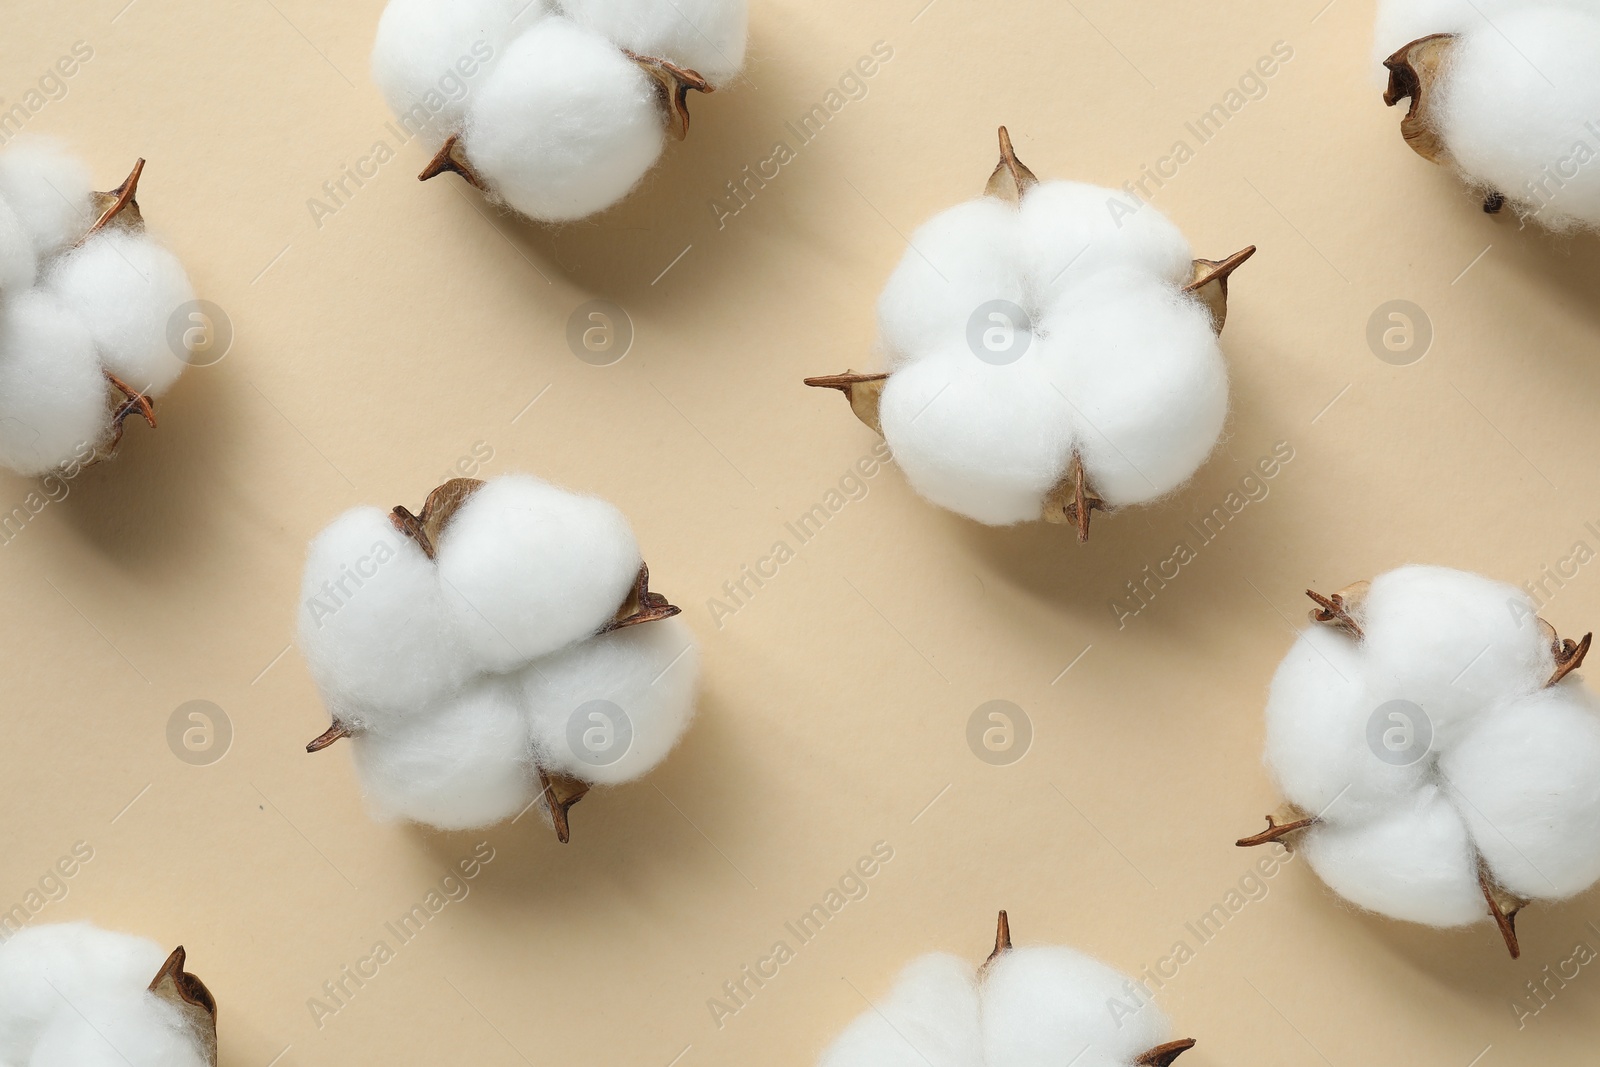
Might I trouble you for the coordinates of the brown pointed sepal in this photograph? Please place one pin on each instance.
(1163, 1055)
(437, 511)
(1072, 501)
(1209, 283)
(558, 802)
(1285, 821)
(675, 83)
(1011, 178)
(335, 733)
(864, 391)
(119, 207)
(1568, 654)
(1002, 938)
(452, 158)
(641, 606)
(192, 1000)
(1413, 70)
(1503, 908)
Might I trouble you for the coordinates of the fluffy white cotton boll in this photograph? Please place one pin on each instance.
(460, 765)
(609, 709)
(430, 56)
(1141, 366)
(136, 1030)
(528, 567)
(1456, 644)
(373, 625)
(986, 441)
(54, 404)
(707, 36)
(930, 1019)
(958, 261)
(1518, 96)
(1528, 781)
(1317, 715)
(1415, 863)
(1047, 1006)
(1068, 233)
(72, 995)
(1402, 21)
(125, 287)
(49, 190)
(19, 262)
(565, 125)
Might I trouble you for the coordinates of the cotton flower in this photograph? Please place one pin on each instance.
(85, 298)
(555, 108)
(1439, 764)
(1024, 1007)
(1508, 93)
(499, 650)
(74, 995)
(1051, 350)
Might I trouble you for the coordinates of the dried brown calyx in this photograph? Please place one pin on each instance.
(119, 209)
(191, 998)
(673, 85)
(558, 793)
(1160, 1056)
(1414, 73)
(1343, 611)
(1071, 500)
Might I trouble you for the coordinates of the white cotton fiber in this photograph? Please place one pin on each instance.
(1518, 103)
(125, 287)
(1017, 337)
(706, 36)
(76, 996)
(511, 612)
(1029, 1007)
(1433, 743)
(49, 191)
(647, 673)
(373, 626)
(1414, 862)
(53, 397)
(19, 261)
(461, 677)
(929, 1019)
(430, 56)
(459, 765)
(565, 125)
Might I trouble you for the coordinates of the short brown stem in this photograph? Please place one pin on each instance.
(1276, 831)
(337, 732)
(1163, 1055)
(1335, 611)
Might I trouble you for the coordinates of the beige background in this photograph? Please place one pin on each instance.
(374, 352)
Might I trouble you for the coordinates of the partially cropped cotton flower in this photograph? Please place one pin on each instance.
(74, 995)
(1051, 349)
(1024, 1007)
(500, 650)
(555, 108)
(1441, 765)
(1508, 92)
(85, 301)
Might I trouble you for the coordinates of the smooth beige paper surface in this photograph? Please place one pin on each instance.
(392, 333)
